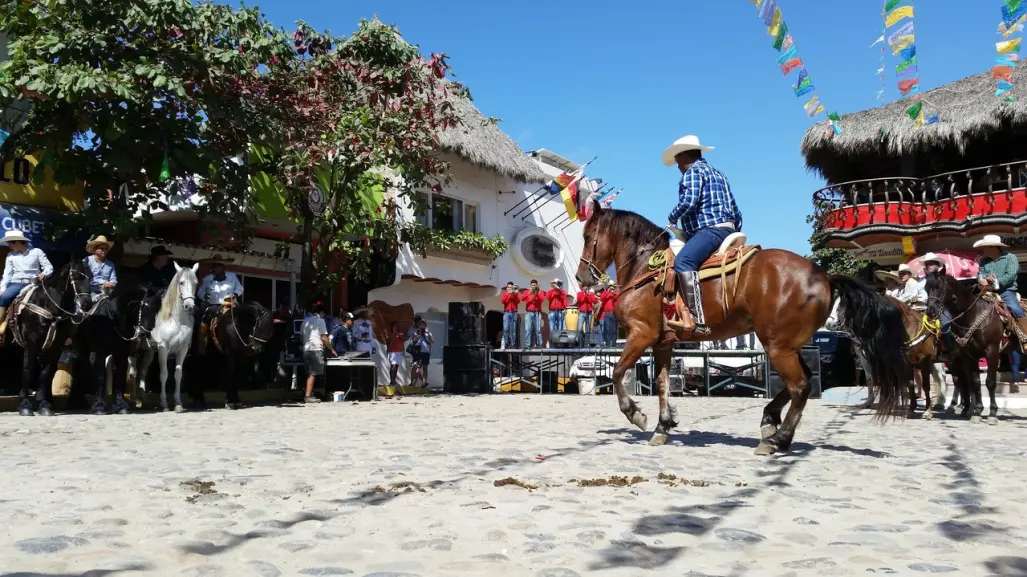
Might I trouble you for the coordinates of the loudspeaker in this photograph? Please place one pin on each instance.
(775, 383)
(462, 382)
(465, 337)
(564, 340)
(466, 324)
(464, 358)
(811, 358)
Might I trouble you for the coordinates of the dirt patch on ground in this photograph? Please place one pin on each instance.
(400, 487)
(514, 482)
(611, 481)
(199, 489)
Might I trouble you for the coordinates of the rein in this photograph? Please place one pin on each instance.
(253, 338)
(603, 278)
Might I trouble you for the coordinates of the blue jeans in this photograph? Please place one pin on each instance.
(555, 323)
(510, 329)
(609, 330)
(1009, 297)
(10, 293)
(585, 328)
(700, 247)
(532, 329)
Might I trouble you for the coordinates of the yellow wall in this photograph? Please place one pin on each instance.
(16, 186)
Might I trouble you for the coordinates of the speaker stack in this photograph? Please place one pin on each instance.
(564, 340)
(465, 360)
(811, 358)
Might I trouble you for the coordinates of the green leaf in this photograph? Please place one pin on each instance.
(160, 81)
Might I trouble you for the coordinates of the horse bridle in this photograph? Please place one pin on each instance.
(251, 345)
(599, 275)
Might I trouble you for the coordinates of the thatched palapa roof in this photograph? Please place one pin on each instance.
(968, 112)
(485, 145)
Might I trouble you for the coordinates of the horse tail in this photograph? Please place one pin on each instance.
(878, 325)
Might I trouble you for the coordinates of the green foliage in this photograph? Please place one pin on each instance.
(832, 260)
(422, 238)
(117, 89)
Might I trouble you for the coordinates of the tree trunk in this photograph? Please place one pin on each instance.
(308, 269)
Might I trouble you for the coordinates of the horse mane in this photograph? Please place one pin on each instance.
(167, 304)
(632, 230)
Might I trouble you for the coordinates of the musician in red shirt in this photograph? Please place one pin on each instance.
(607, 317)
(532, 298)
(557, 298)
(587, 301)
(510, 298)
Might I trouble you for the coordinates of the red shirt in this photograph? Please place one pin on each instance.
(609, 300)
(533, 300)
(557, 299)
(396, 344)
(586, 301)
(510, 301)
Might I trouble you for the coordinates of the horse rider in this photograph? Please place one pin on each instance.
(217, 289)
(104, 275)
(998, 274)
(890, 281)
(23, 265)
(707, 214)
(910, 291)
(934, 265)
(156, 275)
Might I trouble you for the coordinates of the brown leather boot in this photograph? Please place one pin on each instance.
(684, 288)
(1021, 334)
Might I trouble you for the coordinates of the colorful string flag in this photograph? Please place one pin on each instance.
(902, 38)
(880, 68)
(1014, 14)
(788, 60)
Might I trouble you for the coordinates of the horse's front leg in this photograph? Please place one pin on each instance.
(633, 350)
(133, 377)
(661, 364)
(179, 359)
(98, 371)
(991, 382)
(28, 371)
(118, 374)
(231, 369)
(162, 365)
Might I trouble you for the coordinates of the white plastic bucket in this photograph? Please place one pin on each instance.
(338, 396)
(586, 386)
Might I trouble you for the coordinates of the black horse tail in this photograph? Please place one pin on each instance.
(878, 325)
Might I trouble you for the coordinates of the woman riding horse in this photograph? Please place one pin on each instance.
(22, 266)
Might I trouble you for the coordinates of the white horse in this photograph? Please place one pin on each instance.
(173, 332)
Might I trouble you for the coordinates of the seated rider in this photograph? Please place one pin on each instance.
(910, 292)
(218, 288)
(104, 276)
(156, 275)
(933, 265)
(707, 214)
(23, 265)
(998, 274)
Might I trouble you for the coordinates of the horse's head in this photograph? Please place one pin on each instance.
(74, 287)
(943, 292)
(184, 286)
(263, 327)
(610, 234)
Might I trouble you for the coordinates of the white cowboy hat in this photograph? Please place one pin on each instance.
(931, 257)
(883, 275)
(690, 142)
(990, 240)
(14, 235)
(100, 240)
(904, 268)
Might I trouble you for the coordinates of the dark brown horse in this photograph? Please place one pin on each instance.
(978, 327)
(780, 295)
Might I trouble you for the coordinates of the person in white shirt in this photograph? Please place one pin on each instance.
(314, 333)
(219, 287)
(910, 291)
(23, 265)
(363, 330)
(890, 281)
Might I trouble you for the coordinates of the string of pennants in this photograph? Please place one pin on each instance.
(789, 60)
(1014, 14)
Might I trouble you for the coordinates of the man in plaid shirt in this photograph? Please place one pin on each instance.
(707, 214)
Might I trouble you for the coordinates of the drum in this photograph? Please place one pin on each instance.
(570, 318)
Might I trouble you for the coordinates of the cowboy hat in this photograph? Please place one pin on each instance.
(690, 142)
(217, 259)
(99, 241)
(883, 275)
(904, 268)
(931, 257)
(14, 236)
(990, 240)
(360, 310)
(160, 250)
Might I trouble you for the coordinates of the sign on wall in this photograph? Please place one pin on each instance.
(877, 252)
(17, 186)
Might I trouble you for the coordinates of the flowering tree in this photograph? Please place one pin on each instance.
(127, 95)
(349, 118)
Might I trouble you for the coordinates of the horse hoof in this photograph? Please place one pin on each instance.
(658, 439)
(976, 419)
(25, 412)
(99, 412)
(950, 411)
(767, 431)
(139, 404)
(45, 412)
(639, 420)
(122, 411)
(992, 421)
(765, 449)
(164, 409)
(928, 415)
(179, 409)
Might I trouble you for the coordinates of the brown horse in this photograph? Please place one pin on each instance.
(978, 325)
(780, 295)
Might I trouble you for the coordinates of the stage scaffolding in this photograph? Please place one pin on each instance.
(693, 372)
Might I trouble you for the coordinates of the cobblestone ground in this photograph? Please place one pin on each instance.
(409, 487)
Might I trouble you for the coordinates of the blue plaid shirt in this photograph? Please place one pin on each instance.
(704, 200)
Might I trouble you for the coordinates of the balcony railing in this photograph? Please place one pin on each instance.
(952, 201)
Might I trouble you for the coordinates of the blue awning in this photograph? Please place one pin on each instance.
(35, 223)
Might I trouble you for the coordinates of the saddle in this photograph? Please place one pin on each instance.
(21, 303)
(209, 328)
(727, 261)
(1013, 328)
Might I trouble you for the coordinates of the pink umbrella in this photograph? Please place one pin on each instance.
(960, 265)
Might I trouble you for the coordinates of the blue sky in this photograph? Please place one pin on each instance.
(622, 80)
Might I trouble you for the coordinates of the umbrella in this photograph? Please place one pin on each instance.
(958, 264)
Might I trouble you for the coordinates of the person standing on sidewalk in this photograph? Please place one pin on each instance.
(532, 298)
(315, 341)
(557, 298)
(510, 298)
(586, 304)
(607, 316)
